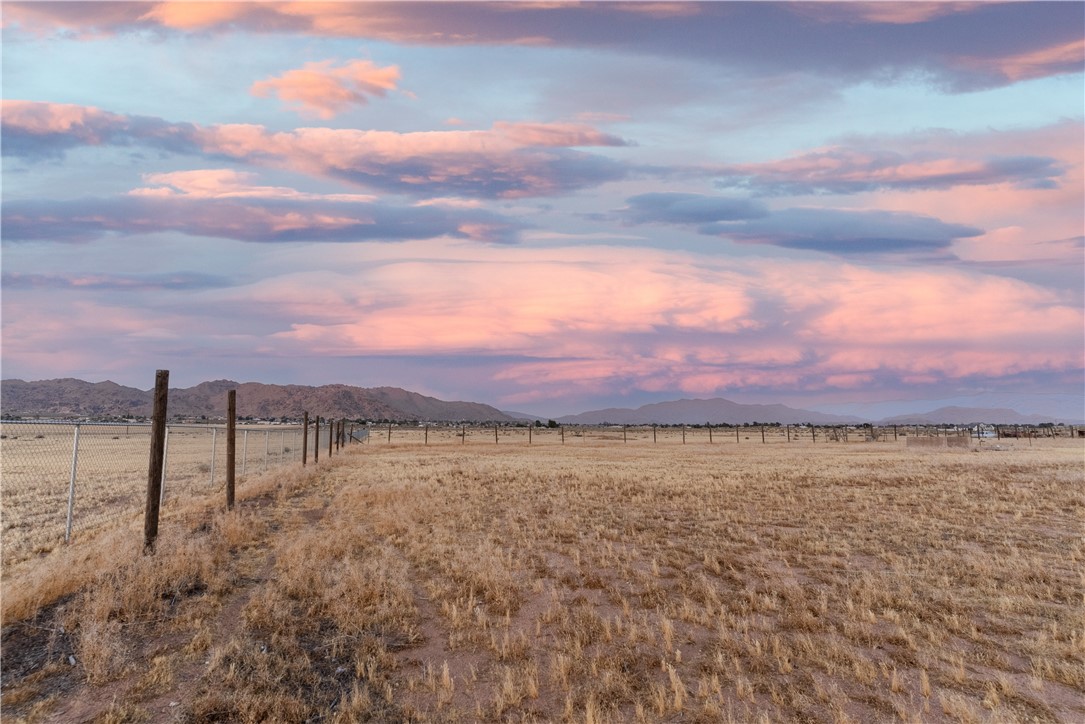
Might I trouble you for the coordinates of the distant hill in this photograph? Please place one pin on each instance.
(715, 411)
(76, 398)
(966, 416)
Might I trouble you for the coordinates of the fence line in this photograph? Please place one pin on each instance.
(63, 480)
(715, 434)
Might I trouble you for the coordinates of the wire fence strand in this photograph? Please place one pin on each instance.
(64, 481)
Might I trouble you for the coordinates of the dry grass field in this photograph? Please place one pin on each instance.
(585, 582)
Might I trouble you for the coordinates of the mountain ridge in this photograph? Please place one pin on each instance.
(716, 410)
(70, 397)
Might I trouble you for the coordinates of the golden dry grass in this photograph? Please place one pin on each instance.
(590, 582)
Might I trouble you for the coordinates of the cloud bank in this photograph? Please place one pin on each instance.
(510, 160)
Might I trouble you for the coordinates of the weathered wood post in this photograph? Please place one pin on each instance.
(389, 432)
(563, 434)
(762, 434)
(894, 433)
(316, 440)
(736, 434)
(709, 426)
(157, 458)
(813, 434)
(495, 435)
(331, 434)
(625, 438)
(529, 426)
(654, 433)
(304, 438)
(789, 433)
(425, 439)
(683, 434)
(463, 434)
(231, 446)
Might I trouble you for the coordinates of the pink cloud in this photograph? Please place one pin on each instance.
(871, 165)
(1039, 63)
(319, 89)
(509, 160)
(691, 323)
(554, 134)
(222, 183)
(655, 321)
(195, 15)
(879, 11)
(977, 55)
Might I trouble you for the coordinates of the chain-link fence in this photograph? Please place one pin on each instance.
(63, 480)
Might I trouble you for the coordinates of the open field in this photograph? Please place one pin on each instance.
(588, 582)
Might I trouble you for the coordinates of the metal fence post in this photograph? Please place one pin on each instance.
(71, 484)
(214, 447)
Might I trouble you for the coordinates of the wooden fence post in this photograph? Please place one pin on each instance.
(529, 426)
(304, 438)
(331, 434)
(683, 434)
(709, 426)
(762, 434)
(231, 446)
(654, 433)
(316, 440)
(625, 437)
(426, 440)
(563, 434)
(157, 458)
(495, 435)
(789, 433)
(463, 434)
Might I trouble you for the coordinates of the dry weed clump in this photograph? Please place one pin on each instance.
(587, 583)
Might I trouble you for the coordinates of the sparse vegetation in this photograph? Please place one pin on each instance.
(589, 582)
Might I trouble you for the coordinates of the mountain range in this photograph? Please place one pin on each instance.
(715, 411)
(719, 410)
(76, 398)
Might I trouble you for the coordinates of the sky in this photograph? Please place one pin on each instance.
(864, 208)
